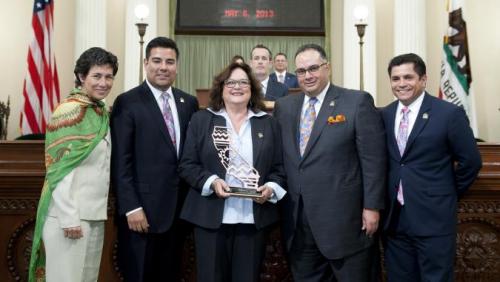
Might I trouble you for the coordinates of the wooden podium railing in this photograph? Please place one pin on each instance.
(22, 173)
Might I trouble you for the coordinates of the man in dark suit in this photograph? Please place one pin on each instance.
(260, 61)
(335, 161)
(148, 127)
(433, 158)
(281, 73)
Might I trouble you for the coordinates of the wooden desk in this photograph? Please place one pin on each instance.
(22, 174)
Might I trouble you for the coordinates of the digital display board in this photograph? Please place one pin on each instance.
(250, 16)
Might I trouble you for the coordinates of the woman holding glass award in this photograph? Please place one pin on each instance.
(232, 160)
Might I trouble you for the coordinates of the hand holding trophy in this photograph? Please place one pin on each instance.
(237, 168)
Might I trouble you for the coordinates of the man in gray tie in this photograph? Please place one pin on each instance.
(433, 159)
(335, 161)
(260, 62)
(281, 73)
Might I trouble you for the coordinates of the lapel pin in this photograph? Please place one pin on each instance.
(260, 134)
(425, 116)
(332, 103)
(182, 100)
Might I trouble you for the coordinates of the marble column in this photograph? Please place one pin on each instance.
(409, 27)
(90, 25)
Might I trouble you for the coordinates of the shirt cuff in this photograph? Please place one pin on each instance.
(206, 191)
(132, 211)
(278, 192)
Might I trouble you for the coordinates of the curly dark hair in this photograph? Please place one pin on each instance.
(94, 56)
(256, 102)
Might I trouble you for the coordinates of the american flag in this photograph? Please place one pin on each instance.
(41, 85)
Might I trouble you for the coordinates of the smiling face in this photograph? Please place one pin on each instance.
(161, 67)
(239, 94)
(406, 84)
(312, 83)
(98, 82)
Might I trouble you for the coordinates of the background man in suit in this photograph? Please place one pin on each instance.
(335, 163)
(149, 125)
(281, 73)
(260, 62)
(433, 158)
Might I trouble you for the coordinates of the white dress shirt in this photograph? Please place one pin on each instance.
(264, 86)
(412, 115)
(317, 106)
(282, 74)
(237, 209)
(171, 102)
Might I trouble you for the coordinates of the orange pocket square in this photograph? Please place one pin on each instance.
(336, 119)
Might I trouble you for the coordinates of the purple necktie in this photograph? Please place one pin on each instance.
(306, 124)
(402, 139)
(167, 116)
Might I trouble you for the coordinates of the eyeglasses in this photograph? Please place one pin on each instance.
(230, 83)
(312, 69)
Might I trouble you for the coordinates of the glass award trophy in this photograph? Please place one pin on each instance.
(243, 178)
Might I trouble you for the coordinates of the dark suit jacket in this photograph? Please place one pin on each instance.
(441, 160)
(144, 160)
(341, 172)
(290, 79)
(275, 90)
(200, 161)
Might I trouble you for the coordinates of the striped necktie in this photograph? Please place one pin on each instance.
(168, 116)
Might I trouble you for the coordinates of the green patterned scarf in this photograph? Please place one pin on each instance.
(77, 125)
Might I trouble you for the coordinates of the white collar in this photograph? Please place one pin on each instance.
(250, 114)
(265, 81)
(414, 106)
(321, 95)
(157, 92)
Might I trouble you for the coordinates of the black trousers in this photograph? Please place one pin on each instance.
(308, 264)
(234, 252)
(145, 257)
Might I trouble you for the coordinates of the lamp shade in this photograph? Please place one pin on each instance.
(141, 11)
(360, 13)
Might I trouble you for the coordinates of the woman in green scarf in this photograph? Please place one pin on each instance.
(69, 230)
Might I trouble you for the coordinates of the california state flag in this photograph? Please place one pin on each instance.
(456, 78)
